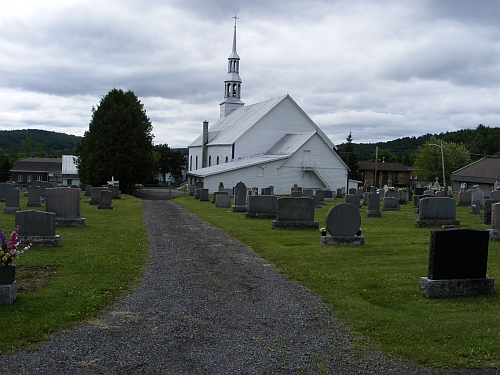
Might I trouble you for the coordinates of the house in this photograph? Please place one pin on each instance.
(60, 170)
(483, 172)
(271, 143)
(379, 174)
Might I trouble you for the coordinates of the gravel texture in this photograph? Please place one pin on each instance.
(207, 305)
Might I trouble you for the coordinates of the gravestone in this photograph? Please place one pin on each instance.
(65, 203)
(8, 289)
(495, 222)
(476, 208)
(296, 189)
(229, 192)
(4, 187)
(266, 191)
(221, 187)
(192, 190)
(457, 264)
(486, 218)
(436, 212)
(296, 194)
(295, 213)
(321, 196)
(403, 196)
(487, 194)
(343, 223)
(419, 191)
(352, 199)
(478, 195)
(373, 202)
(390, 204)
(204, 195)
(11, 201)
(217, 193)
(439, 193)
(329, 195)
(115, 191)
(495, 194)
(197, 193)
(199, 184)
(340, 193)
(240, 198)
(34, 196)
(105, 201)
(307, 192)
(464, 198)
(391, 194)
(37, 228)
(95, 195)
(223, 201)
(44, 185)
(262, 206)
(365, 199)
(88, 189)
(352, 191)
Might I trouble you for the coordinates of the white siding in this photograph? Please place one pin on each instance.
(193, 153)
(221, 151)
(283, 119)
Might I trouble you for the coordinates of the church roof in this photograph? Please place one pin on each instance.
(231, 127)
(282, 149)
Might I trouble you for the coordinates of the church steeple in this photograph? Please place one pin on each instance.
(232, 84)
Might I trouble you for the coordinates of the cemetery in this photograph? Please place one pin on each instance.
(374, 287)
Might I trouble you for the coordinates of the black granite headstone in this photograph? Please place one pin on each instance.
(458, 254)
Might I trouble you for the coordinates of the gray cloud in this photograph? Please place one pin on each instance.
(380, 69)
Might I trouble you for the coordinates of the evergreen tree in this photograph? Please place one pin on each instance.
(350, 158)
(4, 168)
(118, 142)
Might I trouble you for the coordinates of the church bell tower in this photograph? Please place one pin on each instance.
(232, 84)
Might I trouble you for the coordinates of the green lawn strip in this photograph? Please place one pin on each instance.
(94, 266)
(374, 288)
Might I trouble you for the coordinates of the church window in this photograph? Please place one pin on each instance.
(191, 163)
(217, 160)
(210, 160)
(226, 159)
(196, 167)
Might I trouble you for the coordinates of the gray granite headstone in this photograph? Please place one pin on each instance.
(437, 211)
(321, 195)
(307, 192)
(262, 206)
(95, 194)
(199, 184)
(105, 201)
(464, 198)
(495, 194)
(240, 198)
(4, 187)
(217, 193)
(11, 201)
(192, 190)
(478, 195)
(390, 204)
(34, 196)
(115, 191)
(65, 203)
(353, 199)
(391, 194)
(486, 219)
(88, 189)
(222, 201)
(204, 195)
(329, 194)
(295, 213)
(476, 208)
(343, 220)
(37, 228)
(373, 209)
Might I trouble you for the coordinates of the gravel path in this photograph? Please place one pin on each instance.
(207, 305)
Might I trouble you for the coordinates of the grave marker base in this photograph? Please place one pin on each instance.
(11, 210)
(343, 240)
(452, 288)
(295, 224)
(435, 223)
(494, 234)
(265, 215)
(102, 207)
(373, 213)
(8, 293)
(70, 222)
(33, 204)
(237, 208)
(41, 241)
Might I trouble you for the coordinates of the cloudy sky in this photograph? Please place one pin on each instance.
(380, 69)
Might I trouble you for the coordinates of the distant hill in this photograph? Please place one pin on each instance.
(52, 143)
(482, 141)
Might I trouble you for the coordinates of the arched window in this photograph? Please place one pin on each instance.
(217, 160)
(196, 162)
(210, 160)
(191, 163)
(226, 159)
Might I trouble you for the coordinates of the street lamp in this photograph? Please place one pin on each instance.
(442, 159)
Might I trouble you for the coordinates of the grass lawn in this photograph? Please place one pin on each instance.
(374, 288)
(93, 266)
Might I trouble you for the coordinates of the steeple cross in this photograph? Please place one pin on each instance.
(235, 18)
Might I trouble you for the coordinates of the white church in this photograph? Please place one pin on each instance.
(271, 143)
